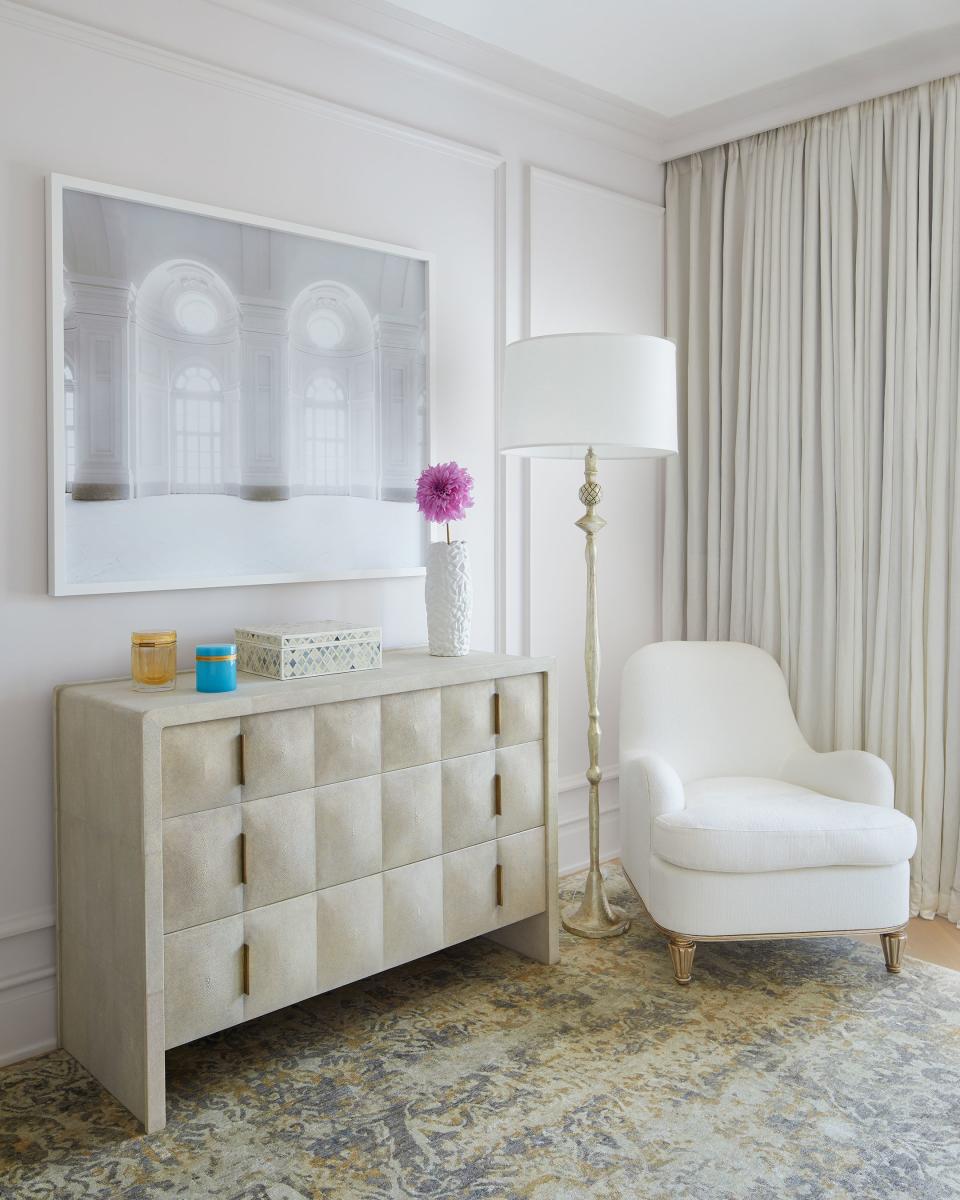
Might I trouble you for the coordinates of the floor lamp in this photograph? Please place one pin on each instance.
(590, 396)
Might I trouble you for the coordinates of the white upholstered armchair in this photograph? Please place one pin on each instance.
(733, 827)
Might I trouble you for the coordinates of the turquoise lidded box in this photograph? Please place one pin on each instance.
(217, 667)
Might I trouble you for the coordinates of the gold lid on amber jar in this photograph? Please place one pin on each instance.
(155, 637)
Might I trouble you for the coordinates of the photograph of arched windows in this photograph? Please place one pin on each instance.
(233, 401)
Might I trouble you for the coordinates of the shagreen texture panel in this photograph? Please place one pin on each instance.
(466, 721)
(348, 740)
(412, 815)
(348, 830)
(277, 753)
(468, 800)
(201, 766)
(281, 847)
(521, 781)
(201, 867)
(412, 911)
(282, 941)
(521, 709)
(202, 980)
(410, 725)
(349, 932)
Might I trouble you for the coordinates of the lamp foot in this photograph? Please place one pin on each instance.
(594, 916)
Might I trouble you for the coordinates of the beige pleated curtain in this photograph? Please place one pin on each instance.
(813, 287)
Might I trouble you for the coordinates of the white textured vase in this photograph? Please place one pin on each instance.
(449, 595)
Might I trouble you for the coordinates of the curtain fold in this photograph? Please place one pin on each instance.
(813, 288)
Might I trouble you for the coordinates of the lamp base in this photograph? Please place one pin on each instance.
(594, 916)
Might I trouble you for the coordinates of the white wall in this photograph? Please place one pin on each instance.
(187, 99)
(596, 263)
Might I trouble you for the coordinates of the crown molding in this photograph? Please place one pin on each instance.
(878, 72)
(391, 32)
(27, 16)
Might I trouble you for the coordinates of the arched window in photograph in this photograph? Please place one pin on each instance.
(325, 436)
(70, 422)
(197, 431)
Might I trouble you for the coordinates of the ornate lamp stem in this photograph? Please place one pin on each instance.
(594, 916)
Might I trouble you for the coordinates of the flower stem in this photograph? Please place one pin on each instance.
(448, 533)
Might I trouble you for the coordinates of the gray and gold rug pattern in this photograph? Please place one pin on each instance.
(786, 1069)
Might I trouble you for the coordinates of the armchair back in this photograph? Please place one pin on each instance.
(708, 708)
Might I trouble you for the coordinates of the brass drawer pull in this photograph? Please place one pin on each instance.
(246, 969)
(243, 759)
(497, 795)
(496, 713)
(243, 858)
(499, 886)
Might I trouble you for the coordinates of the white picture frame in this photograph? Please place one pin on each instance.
(319, 309)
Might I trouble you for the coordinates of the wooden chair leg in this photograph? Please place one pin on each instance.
(893, 946)
(681, 955)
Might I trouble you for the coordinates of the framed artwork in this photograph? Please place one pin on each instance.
(232, 399)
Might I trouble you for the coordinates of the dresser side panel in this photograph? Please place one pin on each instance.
(102, 926)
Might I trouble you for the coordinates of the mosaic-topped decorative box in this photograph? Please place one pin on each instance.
(311, 648)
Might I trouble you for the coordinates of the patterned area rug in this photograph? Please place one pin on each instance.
(786, 1069)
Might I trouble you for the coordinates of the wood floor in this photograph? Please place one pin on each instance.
(936, 941)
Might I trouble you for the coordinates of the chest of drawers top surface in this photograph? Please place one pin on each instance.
(402, 671)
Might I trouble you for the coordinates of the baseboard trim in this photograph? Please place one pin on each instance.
(44, 1046)
(28, 1015)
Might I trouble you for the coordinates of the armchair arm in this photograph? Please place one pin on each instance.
(649, 787)
(649, 784)
(847, 774)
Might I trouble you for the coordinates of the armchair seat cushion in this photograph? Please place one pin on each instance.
(747, 824)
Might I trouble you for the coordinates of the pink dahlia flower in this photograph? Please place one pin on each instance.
(444, 492)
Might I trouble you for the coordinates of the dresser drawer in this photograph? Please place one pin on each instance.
(220, 762)
(203, 980)
(200, 766)
(202, 868)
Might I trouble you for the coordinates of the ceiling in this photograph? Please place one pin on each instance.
(674, 56)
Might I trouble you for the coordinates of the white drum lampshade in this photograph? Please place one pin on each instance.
(564, 393)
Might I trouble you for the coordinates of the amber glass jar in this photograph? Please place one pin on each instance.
(153, 660)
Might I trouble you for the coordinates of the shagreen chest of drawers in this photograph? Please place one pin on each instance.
(221, 856)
